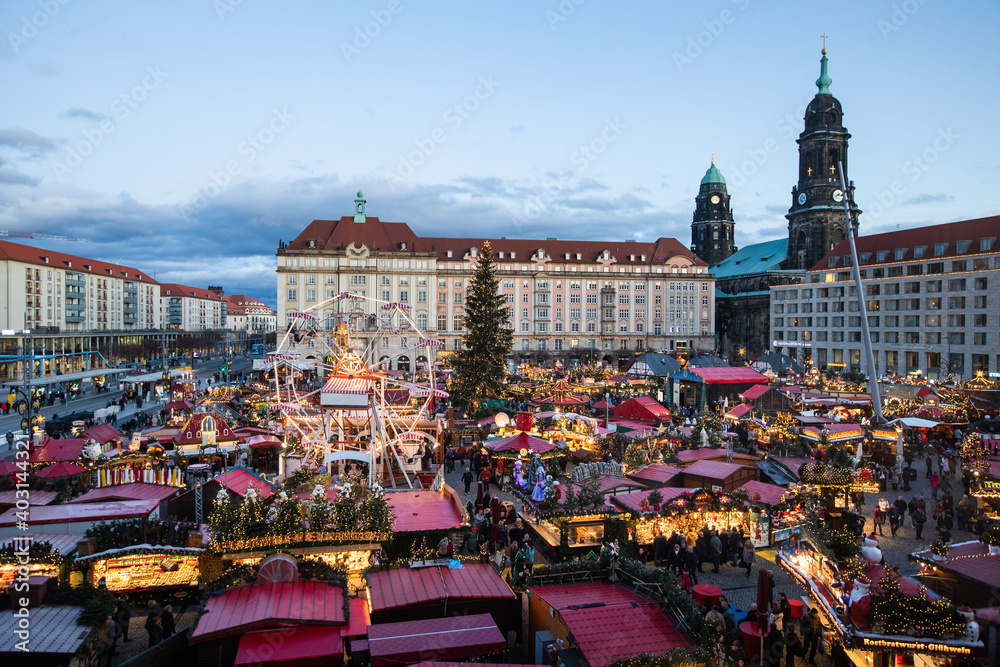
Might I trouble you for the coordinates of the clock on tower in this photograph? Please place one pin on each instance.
(712, 227)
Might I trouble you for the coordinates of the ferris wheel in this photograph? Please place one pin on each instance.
(365, 411)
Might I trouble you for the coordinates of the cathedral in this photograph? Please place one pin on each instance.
(815, 227)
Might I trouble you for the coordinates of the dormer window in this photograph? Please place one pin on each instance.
(500, 254)
(900, 253)
(402, 246)
(606, 255)
(513, 254)
(962, 247)
(631, 258)
(940, 249)
(832, 261)
(642, 258)
(449, 253)
(472, 252)
(919, 251)
(986, 244)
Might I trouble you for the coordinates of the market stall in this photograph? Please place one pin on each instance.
(48, 554)
(143, 567)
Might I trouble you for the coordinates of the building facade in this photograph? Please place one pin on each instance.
(244, 313)
(575, 300)
(191, 308)
(932, 296)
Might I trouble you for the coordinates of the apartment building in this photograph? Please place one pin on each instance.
(191, 308)
(244, 313)
(51, 291)
(932, 296)
(577, 300)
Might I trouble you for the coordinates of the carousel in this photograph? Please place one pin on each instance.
(354, 420)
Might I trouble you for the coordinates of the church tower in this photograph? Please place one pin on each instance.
(816, 217)
(712, 226)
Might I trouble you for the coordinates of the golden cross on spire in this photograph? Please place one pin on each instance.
(824, 36)
(809, 171)
(833, 170)
(713, 158)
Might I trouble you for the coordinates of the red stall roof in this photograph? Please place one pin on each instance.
(255, 606)
(102, 433)
(37, 497)
(52, 451)
(733, 375)
(642, 408)
(739, 411)
(969, 560)
(239, 479)
(756, 392)
(520, 441)
(713, 469)
(399, 587)
(622, 623)
(656, 472)
(770, 494)
(102, 511)
(689, 455)
(134, 491)
(288, 643)
(434, 638)
(632, 502)
(423, 510)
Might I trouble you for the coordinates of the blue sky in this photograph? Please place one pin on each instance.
(187, 137)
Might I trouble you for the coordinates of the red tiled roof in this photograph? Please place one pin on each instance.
(32, 255)
(175, 289)
(756, 391)
(71, 513)
(255, 606)
(418, 510)
(296, 643)
(240, 304)
(632, 502)
(402, 586)
(442, 638)
(623, 624)
(190, 433)
(134, 491)
(102, 433)
(770, 494)
(970, 560)
(642, 408)
(733, 375)
(388, 236)
(656, 472)
(239, 479)
(950, 233)
(712, 469)
(52, 451)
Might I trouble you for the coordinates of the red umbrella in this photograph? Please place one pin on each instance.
(263, 440)
(61, 469)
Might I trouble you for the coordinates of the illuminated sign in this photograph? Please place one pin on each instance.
(790, 343)
(912, 647)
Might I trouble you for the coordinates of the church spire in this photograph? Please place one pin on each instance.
(824, 80)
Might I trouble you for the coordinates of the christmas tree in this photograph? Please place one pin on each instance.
(375, 513)
(712, 425)
(481, 366)
(253, 516)
(321, 513)
(287, 519)
(224, 519)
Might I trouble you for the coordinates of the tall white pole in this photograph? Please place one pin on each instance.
(865, 335)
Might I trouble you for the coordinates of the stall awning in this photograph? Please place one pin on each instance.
(739, 411)
(434, 639)
(402, 587)
(734, 375)
(339, 385)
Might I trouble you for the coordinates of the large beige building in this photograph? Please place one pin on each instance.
(932, 296)
(575, 300)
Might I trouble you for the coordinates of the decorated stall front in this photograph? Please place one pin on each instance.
(879, 616)
(690, 510)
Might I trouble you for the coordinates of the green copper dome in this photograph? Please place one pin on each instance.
(713, 175)
(824, 80)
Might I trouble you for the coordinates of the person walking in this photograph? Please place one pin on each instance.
(935, 482)
(485, 476)
(813, 635)
(701, 549)
(930, 462)
(901, 506)
(894, 519)
(691, 562)
(659, 549)
(715, 551)
(167, 621)
(467, 479)
(153, 623)
(749, 554)
(879, 520)
(735, 546)
(919, 519)
(123, 614)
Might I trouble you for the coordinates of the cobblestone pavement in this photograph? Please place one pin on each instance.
(184, 618)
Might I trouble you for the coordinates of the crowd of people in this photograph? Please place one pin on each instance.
(687, 553)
